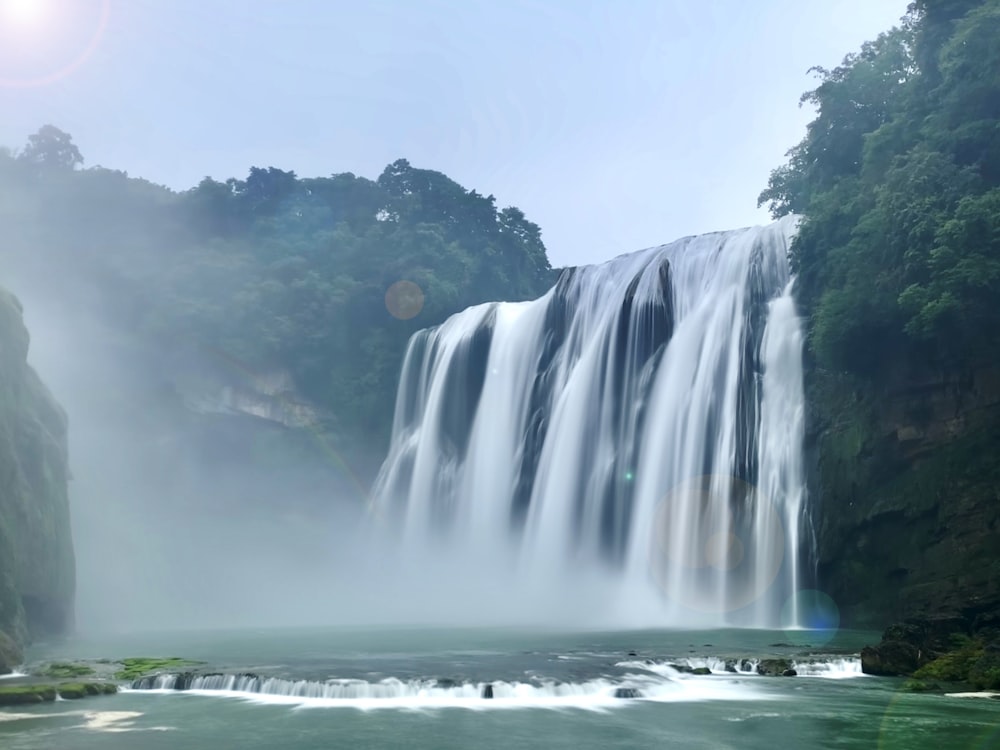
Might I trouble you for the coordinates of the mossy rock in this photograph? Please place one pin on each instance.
(919, 686)
(136, 667)
(76, 690)
(701, 671)
(891, 659)
(16, 695)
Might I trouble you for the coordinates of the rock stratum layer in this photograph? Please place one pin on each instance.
(37, 571)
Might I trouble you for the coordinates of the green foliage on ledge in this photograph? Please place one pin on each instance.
(953, 666)
(970, 661)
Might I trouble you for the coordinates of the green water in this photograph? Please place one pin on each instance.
(712, 711)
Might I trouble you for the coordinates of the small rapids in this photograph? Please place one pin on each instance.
(597, 694)
(666, 681)
(830, 668)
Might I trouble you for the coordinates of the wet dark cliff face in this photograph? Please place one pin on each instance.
(905, 481)
(37, 572)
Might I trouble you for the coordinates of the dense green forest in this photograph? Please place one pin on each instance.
(898, 179)
(325, 277)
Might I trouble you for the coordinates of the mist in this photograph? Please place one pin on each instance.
(179, 526)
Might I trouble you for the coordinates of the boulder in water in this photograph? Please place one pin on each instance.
(773, 667)
(488, 691)
(890, 659)
(624, 692)
(789, 673)
(701, 671)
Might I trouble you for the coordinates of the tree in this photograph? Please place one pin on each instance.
(51, 148)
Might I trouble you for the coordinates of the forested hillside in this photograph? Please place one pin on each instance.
(898, 259)
(322, 278)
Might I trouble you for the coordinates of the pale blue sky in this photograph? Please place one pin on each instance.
(615, 125)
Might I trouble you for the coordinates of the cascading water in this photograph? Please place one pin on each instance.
(645, 415)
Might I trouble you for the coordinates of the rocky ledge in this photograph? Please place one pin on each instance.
(45, 682)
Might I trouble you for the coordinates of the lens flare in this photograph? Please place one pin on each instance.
(724, 551)
(404, 300)
(898, 731)
(39, 46)
(990, 739)
(811, 618)
(727, 514)
(23, 13)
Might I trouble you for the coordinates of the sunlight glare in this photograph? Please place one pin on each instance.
(22, 13)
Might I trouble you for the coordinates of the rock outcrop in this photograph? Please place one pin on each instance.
(37, 571)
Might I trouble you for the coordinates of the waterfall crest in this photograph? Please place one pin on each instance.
(644, 417)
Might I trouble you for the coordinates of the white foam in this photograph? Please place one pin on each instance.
(982, 694)
(110, 721)
(97, 721)
(116, 721)
(833, 669)
(12, 675)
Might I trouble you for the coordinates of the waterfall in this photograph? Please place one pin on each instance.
(645, 416)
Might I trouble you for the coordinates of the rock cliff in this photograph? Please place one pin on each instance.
(906, 482)
(37, 571)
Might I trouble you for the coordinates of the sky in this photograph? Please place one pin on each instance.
(615, 125)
